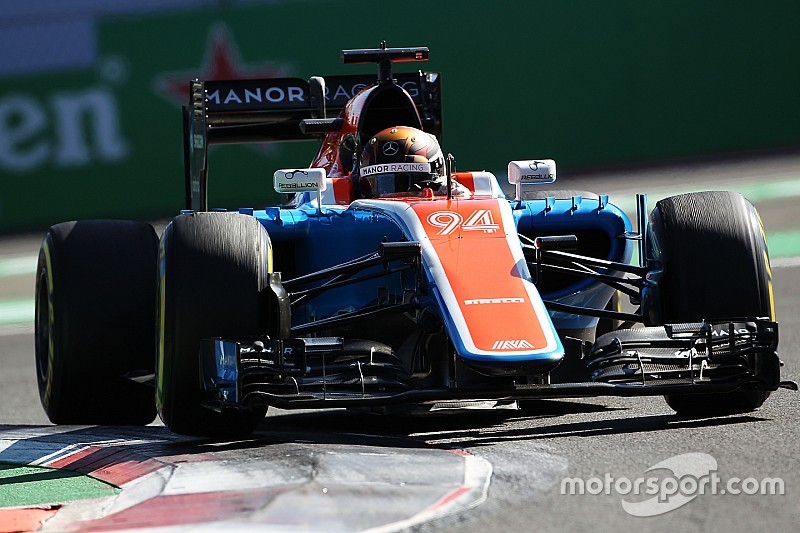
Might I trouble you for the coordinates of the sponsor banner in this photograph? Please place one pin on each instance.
(259, 95)
(100, 135)
(293, 93)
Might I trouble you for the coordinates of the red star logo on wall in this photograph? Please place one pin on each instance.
(222, 62)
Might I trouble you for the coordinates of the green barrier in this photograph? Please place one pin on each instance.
(583, 82)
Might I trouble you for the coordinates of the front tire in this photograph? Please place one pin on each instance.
(213, 267)
(95, 321)
(715, 264)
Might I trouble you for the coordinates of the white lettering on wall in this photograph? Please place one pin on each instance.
(69, 129)
(22, 121)
(79, 116)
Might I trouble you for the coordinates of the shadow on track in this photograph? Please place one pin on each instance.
(110, 446)
(479, 428)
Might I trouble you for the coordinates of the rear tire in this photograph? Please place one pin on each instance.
(715, 264)
(213, 267)
(95, 321)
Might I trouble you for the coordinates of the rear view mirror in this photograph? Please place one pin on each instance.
(531, 172)
(300, 180)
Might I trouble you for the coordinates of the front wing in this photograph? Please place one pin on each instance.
(709, 357)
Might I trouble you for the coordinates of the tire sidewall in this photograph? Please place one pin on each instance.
(742, 287)
(718, 284)
(201, 295)
(88, 336)
(49, 378)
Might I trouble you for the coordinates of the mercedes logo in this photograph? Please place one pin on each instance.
(391, 148)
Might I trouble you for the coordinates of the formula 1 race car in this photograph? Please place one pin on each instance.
(387, 278)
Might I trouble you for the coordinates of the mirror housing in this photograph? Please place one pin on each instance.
(289, 180)
(531, 172)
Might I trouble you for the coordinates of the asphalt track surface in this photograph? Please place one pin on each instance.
(339, 470)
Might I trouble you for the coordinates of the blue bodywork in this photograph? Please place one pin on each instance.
(306, 239)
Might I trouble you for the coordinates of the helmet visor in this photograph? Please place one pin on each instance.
(386, 184)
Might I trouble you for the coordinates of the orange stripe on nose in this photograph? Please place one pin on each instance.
(470, 241)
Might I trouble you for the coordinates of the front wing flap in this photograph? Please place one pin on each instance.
(706, 352)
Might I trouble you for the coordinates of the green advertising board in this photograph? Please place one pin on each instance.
(583, 82)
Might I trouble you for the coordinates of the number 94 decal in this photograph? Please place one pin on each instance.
(450, 221)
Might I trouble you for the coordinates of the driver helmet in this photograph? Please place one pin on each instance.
(401, 161)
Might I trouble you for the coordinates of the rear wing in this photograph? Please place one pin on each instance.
(274, 109)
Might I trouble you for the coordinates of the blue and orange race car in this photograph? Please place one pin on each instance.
(389, 278)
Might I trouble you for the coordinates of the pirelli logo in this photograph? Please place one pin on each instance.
(520, 344)
(483, 301)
